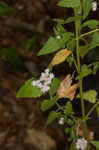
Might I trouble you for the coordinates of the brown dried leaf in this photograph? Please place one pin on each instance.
(66, 90)
(60, 57)
(91, 135)
(81, 132)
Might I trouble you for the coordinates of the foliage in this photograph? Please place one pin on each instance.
(12, 57)
(69, 3)
(5, 9)
(54, 44)
(29, 91)
(29, 44)
(68, 48)
(96, 144)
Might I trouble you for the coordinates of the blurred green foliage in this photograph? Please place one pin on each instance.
(13, 58)
(5, 9)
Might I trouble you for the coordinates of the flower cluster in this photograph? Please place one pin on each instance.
(94, 6)
(44, 81)
(81, 143)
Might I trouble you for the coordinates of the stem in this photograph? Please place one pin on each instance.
(91, 110)
(85, 41)
(78, 63)
(85, 34)
(59, 106)
(75, 62)
(81, 8)
(77, 41)
(77, 30)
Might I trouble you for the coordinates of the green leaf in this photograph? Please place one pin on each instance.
(71, 19)
(5, 9)
(95, 41)
(69, 3)
(97, 109)
(68, 108)
(85, 71)
(52, 116)
(90, 96)
(29, 91)
(84, 50)
(70, 60)
(59, 21)
(72, 146)
(14, 59)
(91, 24)
(29, 44)
(93, 54)
(71, 44)
(54, 44)
(68, 20)
(87, 5)
(95, 143)
(67, 130)
(95, 66)
(54, 86)
(61, 29)
(73, 134)
(88, 147)
(47, 104)
(69, 122)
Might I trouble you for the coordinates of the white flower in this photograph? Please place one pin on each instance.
(44, 81)
(45, 88)
(61, 121)
(36, 82)
(47, 70)
(58, 37)
(40, 85)
(51, 76)
(48, 81)
(46, 77)
(81, 144)
(94, 6)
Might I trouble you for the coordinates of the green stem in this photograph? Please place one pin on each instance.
(75, 62)
(59, 106)
(77, 41)
(91, 110)
(85, 41)
(78, 63)
(81, 8)
(90, 32)
(77, 30)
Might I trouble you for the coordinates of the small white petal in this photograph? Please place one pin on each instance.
(47, 70)
(33, 83)
(51, 75)
(61, 121)
(81, 144)
(48, 82)
(40, 85)
(45, 88)
(36, 83)
(44, 76)
(94, 6)
(58, 37)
